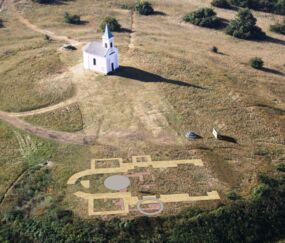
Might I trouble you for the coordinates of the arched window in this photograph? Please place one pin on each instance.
(111, 44)
(106, 45)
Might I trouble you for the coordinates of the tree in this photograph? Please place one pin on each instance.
(244, 26)
(233, 196)
(144, 7)
(221, 4)
(271, 6)
(239, 3)
(204, 17)
(112, 23)
(281, 167)
(280, 7)
(256, 63)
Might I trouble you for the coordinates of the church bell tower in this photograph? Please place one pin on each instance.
(108, 38)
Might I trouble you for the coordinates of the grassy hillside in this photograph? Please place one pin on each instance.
(170, 82)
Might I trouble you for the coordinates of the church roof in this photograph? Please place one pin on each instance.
(96, 48)
(107, 34)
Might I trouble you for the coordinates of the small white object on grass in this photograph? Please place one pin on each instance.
(215, 133)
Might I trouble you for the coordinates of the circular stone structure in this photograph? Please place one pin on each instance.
(117, 182)
(157, 201)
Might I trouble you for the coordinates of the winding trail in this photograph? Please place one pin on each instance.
(80, 138)
(12, 7)
(44, 109)
(12, 118)
(63, 137)
(131, 43)
(136, 117)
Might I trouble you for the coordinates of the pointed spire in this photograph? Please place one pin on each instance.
(107, 33)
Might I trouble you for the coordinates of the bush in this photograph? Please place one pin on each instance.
(260, 192)
(260, 220)
(233, 196)
(264, 179)
(144, 7)
(47, 38)
(127, 6)
(279, 7)
(271, 6)
(71, 19)
(221, 4)
(281, 167)
(256, 63)
(204, 17)
(112, 23)
(278, 28)
(244, 26)
(239, 3)
(215, 49)
(13, 214)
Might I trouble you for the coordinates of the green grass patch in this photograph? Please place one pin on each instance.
(20, 151)
(256, 220)
(67, 119)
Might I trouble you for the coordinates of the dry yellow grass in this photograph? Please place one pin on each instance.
(129, 111)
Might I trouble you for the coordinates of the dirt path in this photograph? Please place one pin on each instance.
(75, 73)
(12, 7)
(112, 111)
(63, 137)
(45, 109)
(132, 34)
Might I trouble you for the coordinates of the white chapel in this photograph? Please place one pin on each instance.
(102, 57)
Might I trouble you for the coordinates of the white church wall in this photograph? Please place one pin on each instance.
(100, 63)
(113, 59)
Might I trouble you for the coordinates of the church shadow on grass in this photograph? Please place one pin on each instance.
(143, 76)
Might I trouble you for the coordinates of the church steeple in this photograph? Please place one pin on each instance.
(108, 38)
(107, 33)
